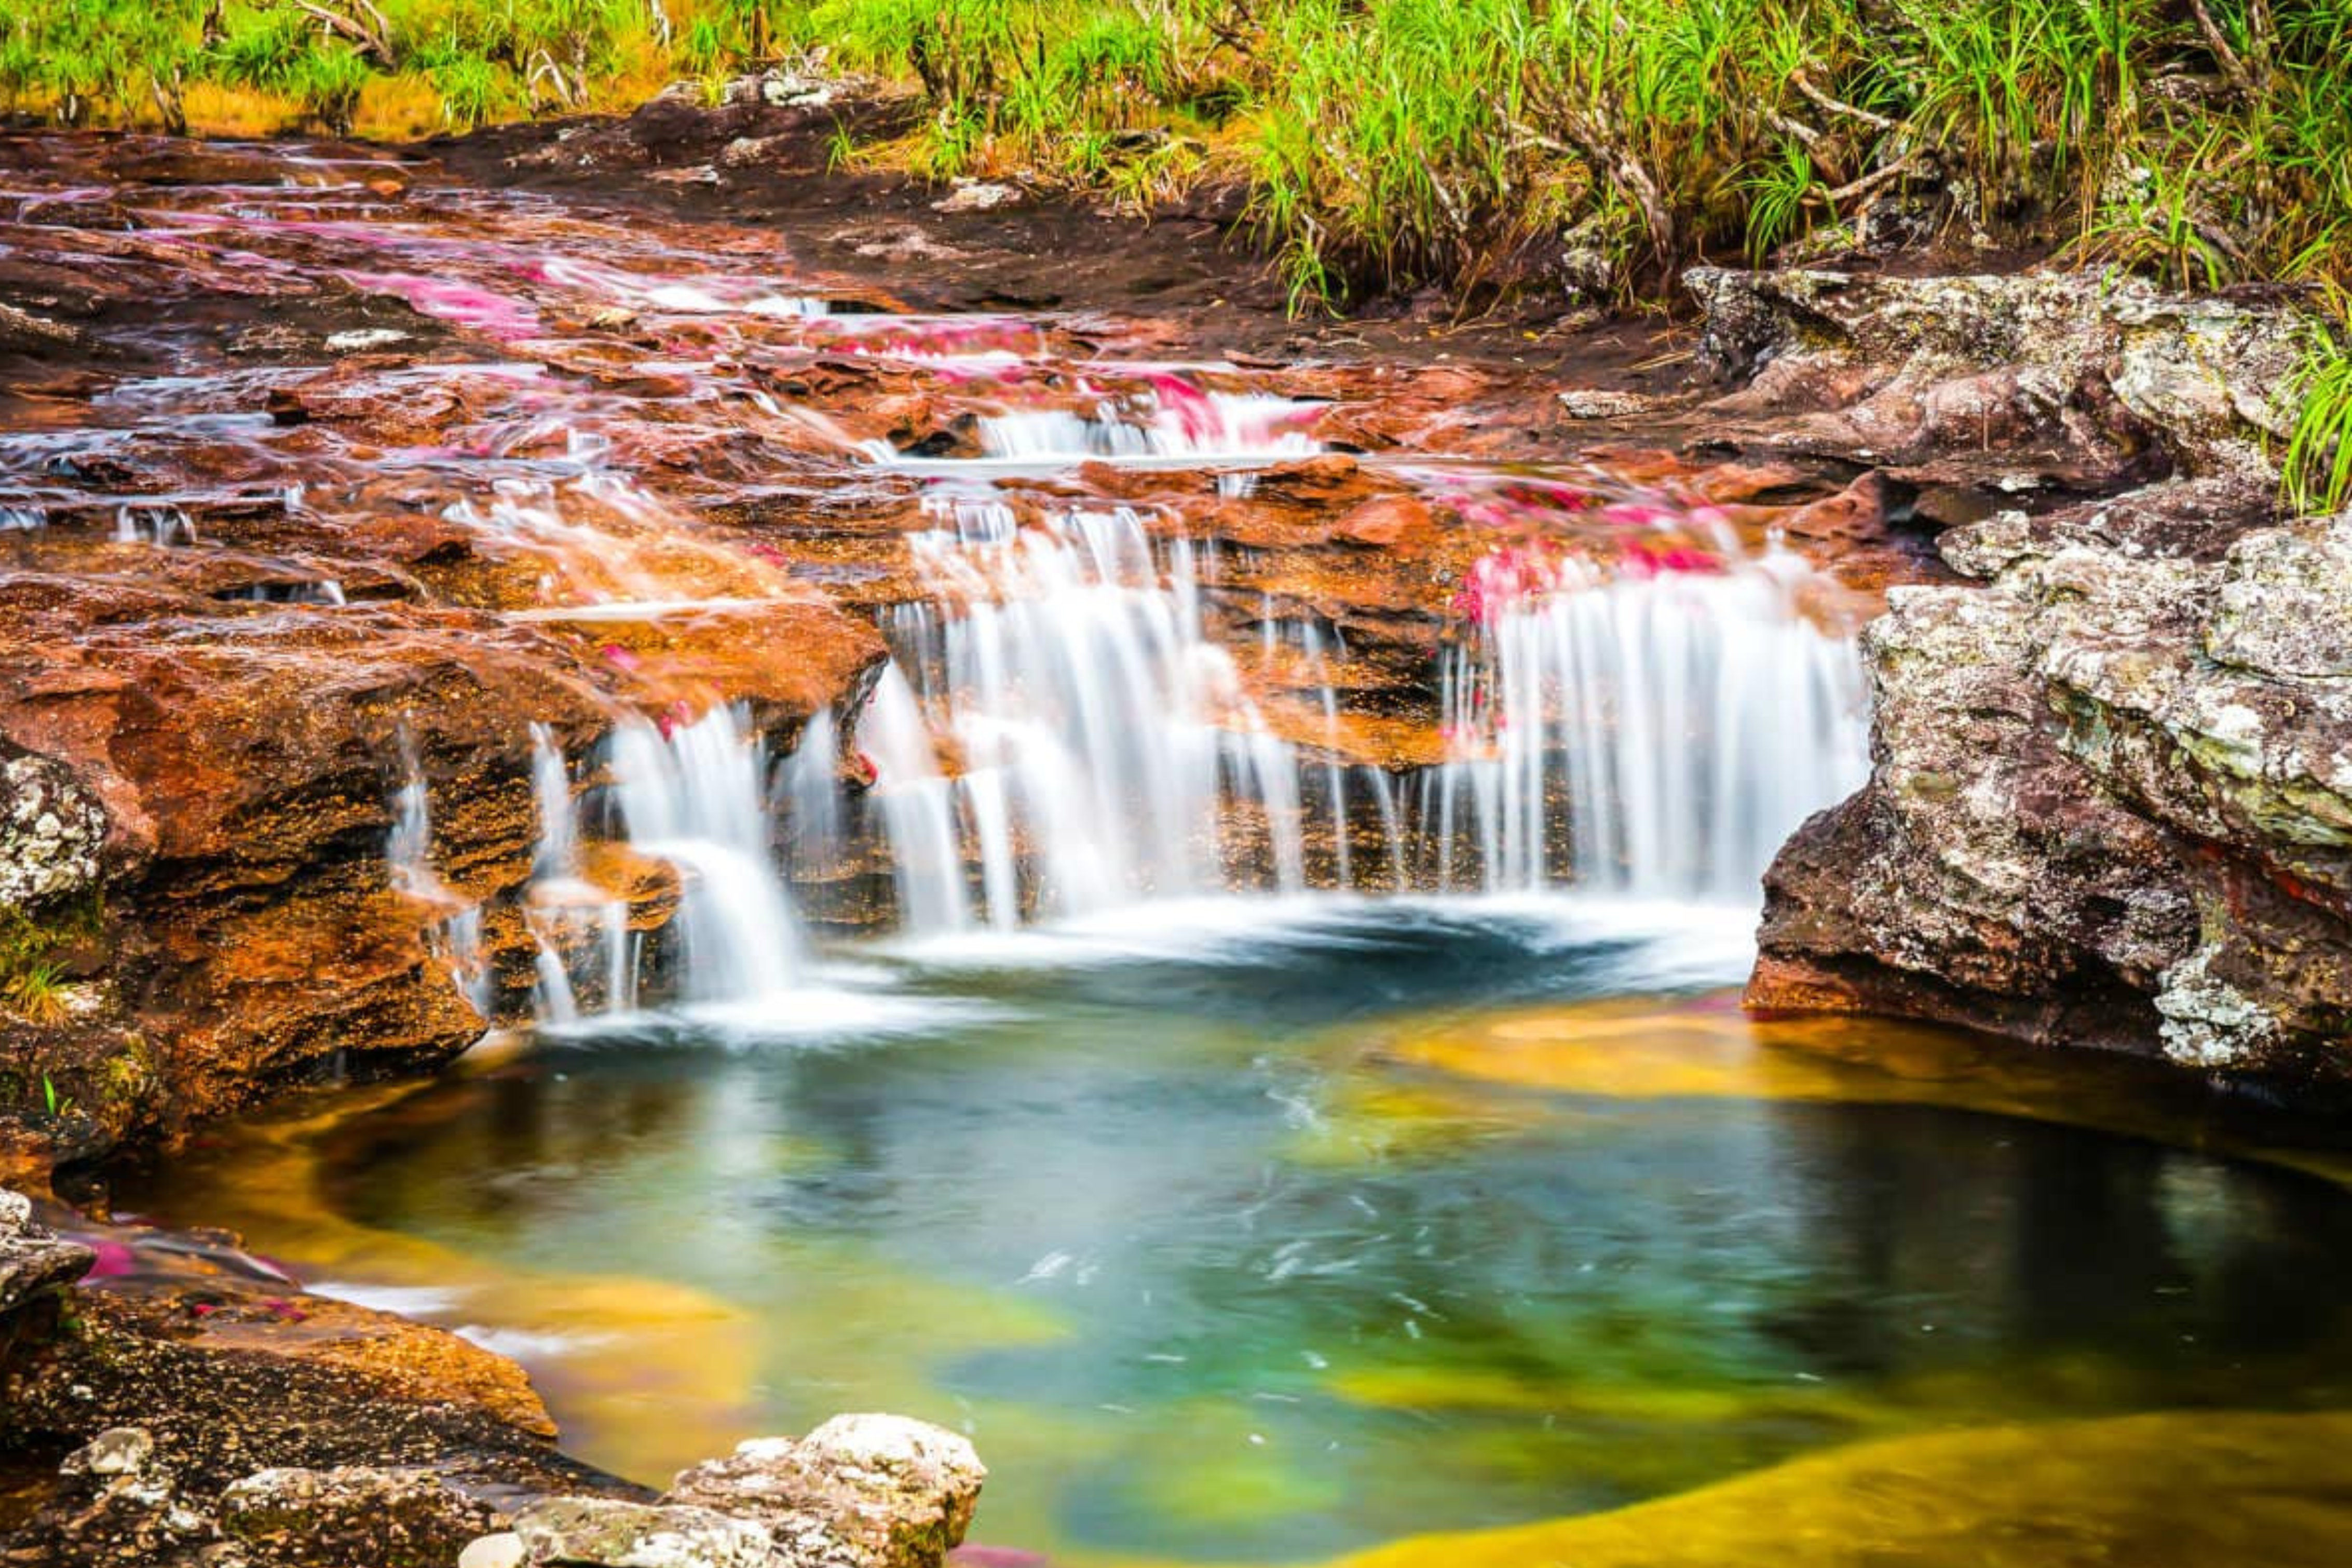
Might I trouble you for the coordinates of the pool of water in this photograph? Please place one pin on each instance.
(1278, 1233)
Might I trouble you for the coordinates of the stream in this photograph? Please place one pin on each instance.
(1176, 915)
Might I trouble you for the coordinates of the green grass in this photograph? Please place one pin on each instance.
(1401, 144)
(2318, 462)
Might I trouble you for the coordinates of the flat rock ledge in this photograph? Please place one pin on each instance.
(195, 1437)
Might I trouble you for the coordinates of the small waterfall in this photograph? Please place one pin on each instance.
(456, 936)
(1175, 420)
(1096, 725)
(1656, 736)
(809, 796)
(583, 933)
(918, 808)
(159, 525)
(694, 798)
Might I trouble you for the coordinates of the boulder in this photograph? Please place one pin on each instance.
(52, 831)
(2111, 804)
(859, 1491)
(34, 1263)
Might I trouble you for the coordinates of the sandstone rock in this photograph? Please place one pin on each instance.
(597, 1532)
(860, 1492)
(978, 196)
(2023, 379)
(119, 1504)
(504, 1550)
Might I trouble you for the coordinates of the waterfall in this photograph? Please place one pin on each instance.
(694, 798)
(1174, 421)
(1656, 736)
(582, 932)
(454, 937)
(1064, 730)
(152, 524)
(918, 810)
(1095, 722)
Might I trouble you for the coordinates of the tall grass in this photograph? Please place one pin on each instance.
(1399, 144)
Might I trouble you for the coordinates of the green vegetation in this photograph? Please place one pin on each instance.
(2318, 462)
(1397, 145)
(33, 978)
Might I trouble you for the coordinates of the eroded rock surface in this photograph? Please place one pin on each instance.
(2112, 804)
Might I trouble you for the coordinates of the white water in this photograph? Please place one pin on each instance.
(455, 937)
(1066, 740)
(1109, 752)
(695, 799)
(582, 932)
(1178, 424)
(1656, 738)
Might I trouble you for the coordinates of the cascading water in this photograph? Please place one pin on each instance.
(456, 934)
(1655, 735)
(1173, 421)
(1098, 726)
(583, 933)
(694, 798)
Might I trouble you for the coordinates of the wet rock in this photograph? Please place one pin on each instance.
(596, 1533)
(323, 1519)
(2109, 806)
(859, 1491)
(21, 331)
(231, 1378)
(1594, 403)
(978, 196)
(34, 1263)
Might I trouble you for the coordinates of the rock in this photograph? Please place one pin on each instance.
(504, 1550)
(324, 1518)
(230, 1379)
(52, 831)
(860, 1492)
(34, 1263)
(117, 1503)
(1592, 402)
(2111, 804)
(978, 196)
(599, 1533)
(23, 332)
(2023, 380)
(364, 339)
